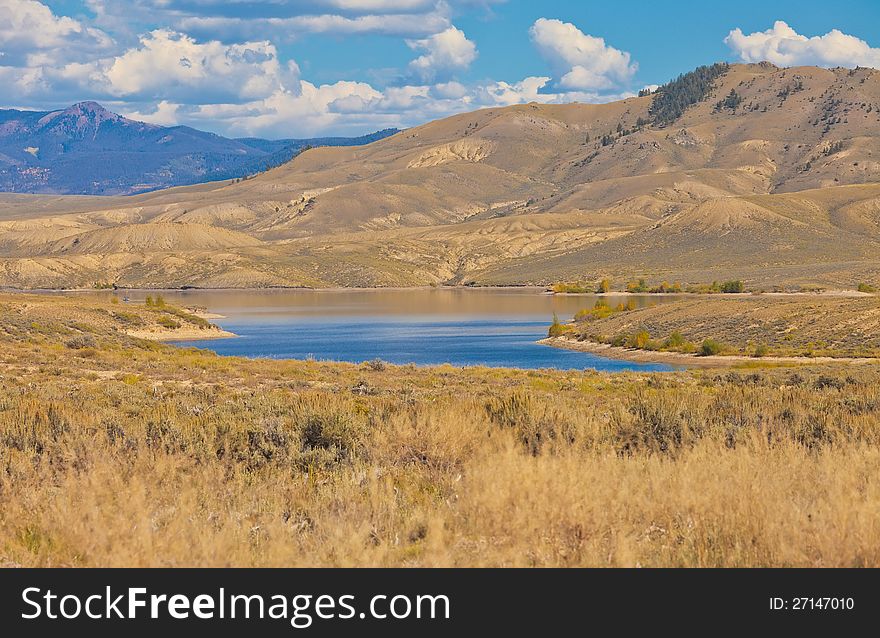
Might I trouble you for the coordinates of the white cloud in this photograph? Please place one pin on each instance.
(165, 114)
(584, 62)
(169, 65)
(784, 46)
(32, 35)
(505, 94)
(445, 52)
(449, 90)
(232, 28)
(236, 85)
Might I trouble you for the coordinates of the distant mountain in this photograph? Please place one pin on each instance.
(86, 149)
(750, 172)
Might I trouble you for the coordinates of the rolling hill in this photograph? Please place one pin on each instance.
(86, 149)
(751, 171)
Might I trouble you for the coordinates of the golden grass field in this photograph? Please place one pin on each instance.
(118, 451)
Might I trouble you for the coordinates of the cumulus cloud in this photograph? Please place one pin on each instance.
(784, 46)
(584, 62)
(173, 65)
(227, 75)
(31, 34)
(165, 113)
(445, 52)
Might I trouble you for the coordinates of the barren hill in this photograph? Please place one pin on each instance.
(768, 174)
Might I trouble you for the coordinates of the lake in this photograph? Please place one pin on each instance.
(490, 327)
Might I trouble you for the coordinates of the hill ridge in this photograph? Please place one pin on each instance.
(768, 174)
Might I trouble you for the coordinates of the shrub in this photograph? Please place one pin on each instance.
(666, 287)
(129, 318)
(732, 286)
(167, 322)
(571, 288)
(600, 311)
(637, 286)
(81, 341)
(674, 341)
(149, 301)
(639, 340)
(866, 288)
(376, 365)
(761, 350)
(711, 347)
(604, 286)
(557, 329)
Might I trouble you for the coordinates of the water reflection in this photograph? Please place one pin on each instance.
(492, 327)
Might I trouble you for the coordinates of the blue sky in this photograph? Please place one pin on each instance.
(297, 68)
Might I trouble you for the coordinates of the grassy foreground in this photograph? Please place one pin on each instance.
(129, 452)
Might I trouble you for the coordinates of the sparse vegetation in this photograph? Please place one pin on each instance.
(148, 455)
(730, 102)
(752, 326)
(863, 287)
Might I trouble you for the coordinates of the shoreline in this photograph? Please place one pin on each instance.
(181, 334)
(846, 293)
(691, 360)
(724, 295)
(11, 290)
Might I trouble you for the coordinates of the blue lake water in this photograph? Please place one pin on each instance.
(489, 327)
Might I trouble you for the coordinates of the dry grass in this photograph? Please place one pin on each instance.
(141, 454)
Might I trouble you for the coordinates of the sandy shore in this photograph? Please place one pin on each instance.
(680, 359)
(181, 334)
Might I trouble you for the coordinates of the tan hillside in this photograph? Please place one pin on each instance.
(779, 186)
(789, 326)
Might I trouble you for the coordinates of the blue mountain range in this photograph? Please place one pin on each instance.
(89, 150)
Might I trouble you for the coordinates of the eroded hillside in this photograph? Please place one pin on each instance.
(771, 176)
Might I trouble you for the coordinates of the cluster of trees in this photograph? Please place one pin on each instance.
(641, 286)
(672, 99)
(732, 101)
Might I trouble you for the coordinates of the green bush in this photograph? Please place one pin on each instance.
(167, 322)
(761, 350)
(866, 288)
(733, 286)
(711, 347)
(619, 340)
